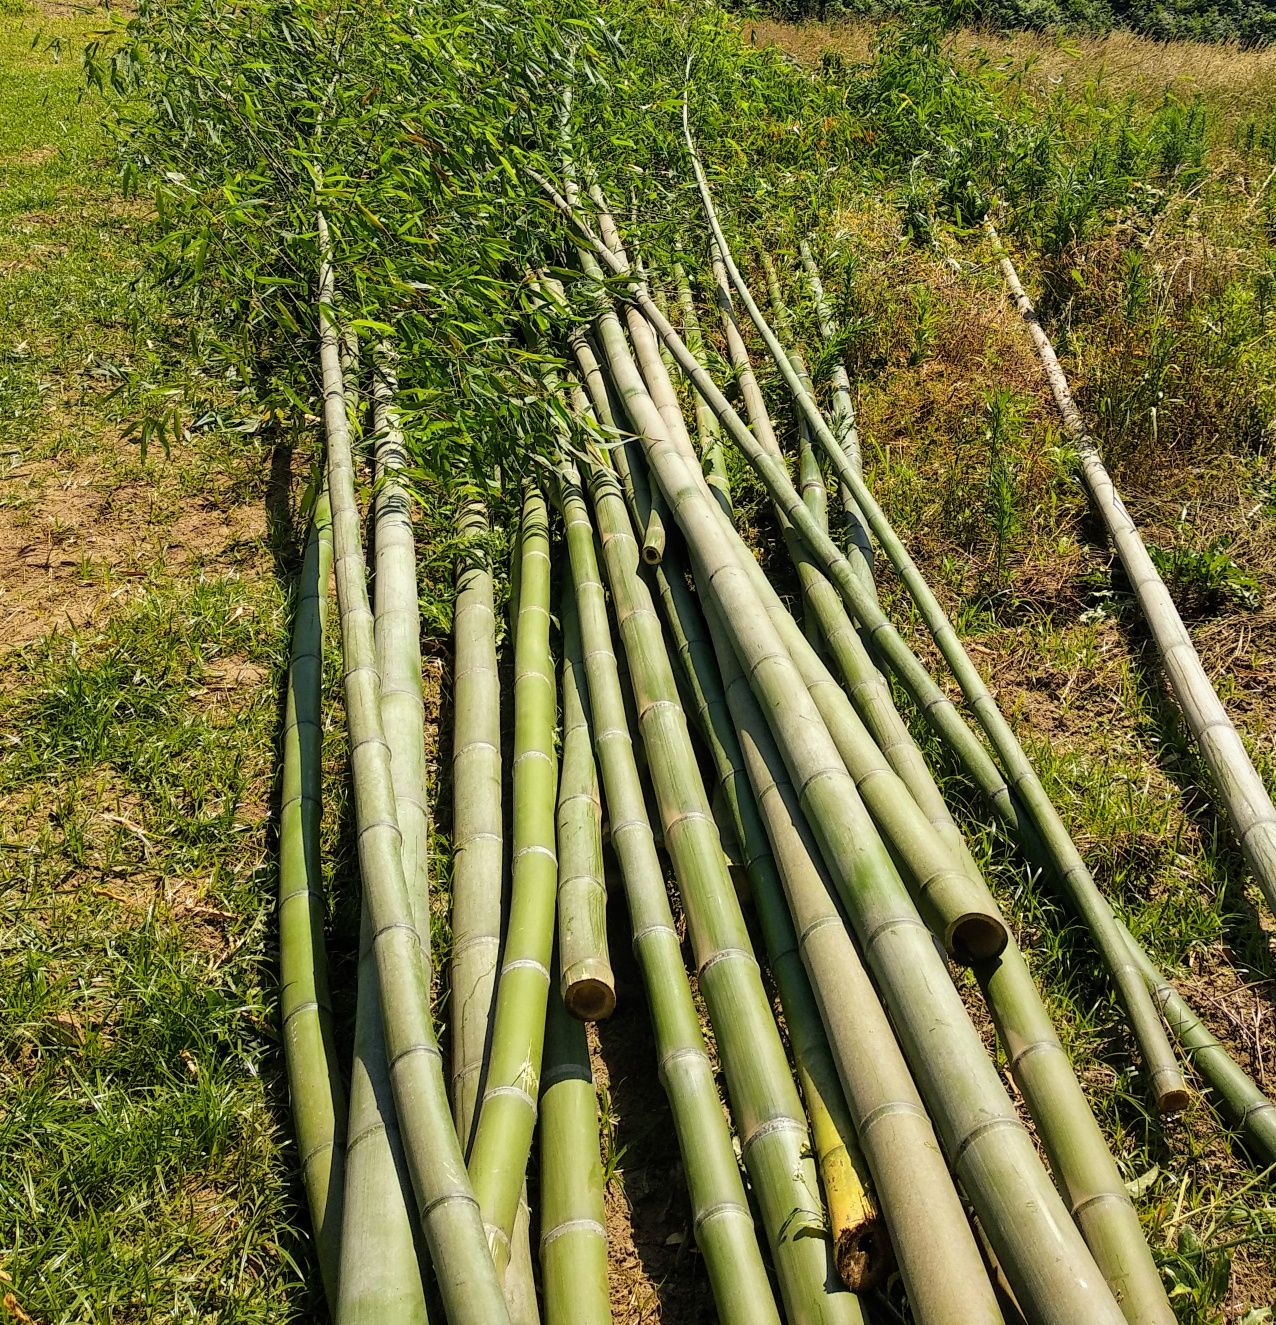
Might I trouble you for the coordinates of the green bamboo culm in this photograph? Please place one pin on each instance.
(1164, 1078)
(587, 984)
(315, 1088)
(573, 1246)
(467, 1279)
(381, 1262)
(507, 1112)
(721, 1218)
(708, 431)
(478, 842)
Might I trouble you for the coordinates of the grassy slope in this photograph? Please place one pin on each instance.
(144, 1171)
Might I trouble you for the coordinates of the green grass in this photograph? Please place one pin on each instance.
(146, 1169)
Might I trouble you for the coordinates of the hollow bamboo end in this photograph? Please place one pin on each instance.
(1170, 1092)
(589, 991)
(864, 1255)
(653, 551)
(977, 936)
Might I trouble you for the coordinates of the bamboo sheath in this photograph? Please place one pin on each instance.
(862, 1248)
(843, 420)
(1052, 1271)
(507, 1113)
(722, 1220)
(315, 1088)
(1165, 1080)
(587, 986)
(477, 828)
(774, 1139)
(381, 1276)
(573, 1246)
(1237, 781)
(467, 1279)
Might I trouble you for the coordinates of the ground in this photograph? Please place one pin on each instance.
(146, 1168)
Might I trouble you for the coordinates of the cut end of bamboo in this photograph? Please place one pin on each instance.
(976, 936)
(1170, 1092)
(864, 1255)
(589, 990)
(653, 546)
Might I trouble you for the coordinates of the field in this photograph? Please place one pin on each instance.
(152, 516)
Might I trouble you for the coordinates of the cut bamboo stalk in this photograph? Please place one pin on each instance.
(588, 987)
(723, 1223)
(477, 829)
(774, 1139)
(467, 1279)
(1238, 784)
(1052, 1270)
(381, 1264)
(843, 421)
(573, 1246)
(708, 431)
(507, 1113)
(314, 1078)
(1165, 1080)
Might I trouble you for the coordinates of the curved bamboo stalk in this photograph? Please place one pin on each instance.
(843, 420)
(573, 1247)
(305, 1005)
(507, 1113)
(1165, 1080)
(588, 987)
(1051, 1269)
(467, 1278)
(1239, 786)
(721, 1217)
(478, 845)
(381, 1274)
(774, 1139)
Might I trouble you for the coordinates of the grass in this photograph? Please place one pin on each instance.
(145, 1161)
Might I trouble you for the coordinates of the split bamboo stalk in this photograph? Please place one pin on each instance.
(722, 1220)
(1237, 781)
(573, 1246)
(507, 1113)
(314, 1078)
(467, 1279)
(1165, 1080)
(774, 1139)
(843, 419)
(381, 1264)
(1052, 1271)
(861, 1244)
(588, 987)
(477, 829)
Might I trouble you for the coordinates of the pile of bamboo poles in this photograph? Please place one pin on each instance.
(671, 717)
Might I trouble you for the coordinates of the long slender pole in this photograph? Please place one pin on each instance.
(1239, 786)
(468, 1283)
(305, 1004)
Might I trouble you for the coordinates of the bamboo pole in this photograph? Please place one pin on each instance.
(723, 1223)
(1236, 780)
(573, 1246)
(453, 1225)
(588, 987)
(478, 847)
(708, 432)
(1049, 1264)
(314, 1079)
(507, 1113)
(1165, 1080)
(381, 1272)
(774, 1138)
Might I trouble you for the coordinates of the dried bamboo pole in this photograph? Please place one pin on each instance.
(588, 987)
(722, 1220)
(507, 1113)
(314, 1078)
(1239, 786)
(478, 847)
(1165, 1080)
(467, 1278)
(381, 1263)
